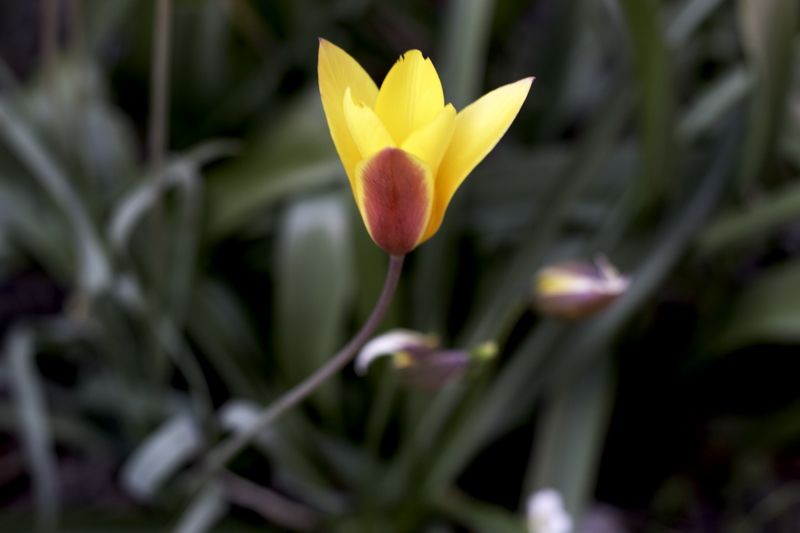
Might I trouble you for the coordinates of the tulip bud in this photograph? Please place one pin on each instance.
(430, 369)
(572, 290)
(419, 360)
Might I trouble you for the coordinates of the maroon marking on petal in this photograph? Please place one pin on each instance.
(396, 200)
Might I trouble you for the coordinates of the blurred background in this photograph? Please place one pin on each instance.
(177, 250)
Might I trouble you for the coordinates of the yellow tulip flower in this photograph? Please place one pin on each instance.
(405, 151)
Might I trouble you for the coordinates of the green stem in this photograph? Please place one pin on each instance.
(49, 37)
(159, 89)
(157, 131)
(227, 450)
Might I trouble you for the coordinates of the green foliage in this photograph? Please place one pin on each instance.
(204, 292)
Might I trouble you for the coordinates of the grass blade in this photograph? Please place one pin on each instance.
(94, 268)
(35, 431)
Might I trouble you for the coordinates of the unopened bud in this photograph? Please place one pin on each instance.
(573, 290)
(430, 369)
(419, 360)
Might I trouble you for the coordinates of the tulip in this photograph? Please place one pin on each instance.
(404, 151)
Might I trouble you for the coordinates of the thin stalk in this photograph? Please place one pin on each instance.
(36, 437)
(227, 450)
(76, 39)
(157, 129)
(156, 146)
(159, 89)
(380, 410)
(270, 504)
(49, 31)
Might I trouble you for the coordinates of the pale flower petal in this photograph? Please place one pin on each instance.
(389, 343)
(546, 513)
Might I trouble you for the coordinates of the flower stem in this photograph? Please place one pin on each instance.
(157, 133)
(159, 89)
(227, 450)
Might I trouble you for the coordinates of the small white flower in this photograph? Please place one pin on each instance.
(546, 513)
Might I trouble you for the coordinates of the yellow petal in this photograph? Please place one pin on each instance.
(479, 127)
(410, 96)
(369, 134)
(337, 71)
(430, 142)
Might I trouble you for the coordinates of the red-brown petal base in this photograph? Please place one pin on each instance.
(395, 191)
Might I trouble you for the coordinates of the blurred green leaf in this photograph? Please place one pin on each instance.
(294, 454)
(569, 437)
(688, 17)
(34, 228)
(66, 429)
(219, 324)
(766, 310)
(491, 416)
(103, 20)
(287, 445)
(480, 517)
(768, 28)
(656, 108)
(181, 171)
(294, 156)
(69, 110)
(36, 436)
(169, 447)
(714, 103)
(206, 509)
(95, 271)
(465, 38)
(314, 289)
(736, 228)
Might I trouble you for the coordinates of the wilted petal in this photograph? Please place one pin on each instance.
(410, 97)
(394, 191)
(479, 127)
